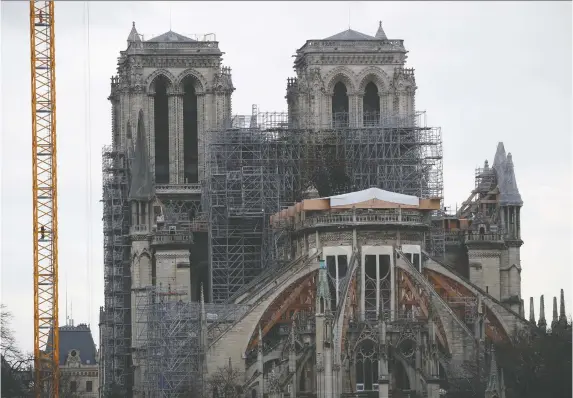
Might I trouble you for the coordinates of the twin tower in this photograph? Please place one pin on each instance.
(349, 79)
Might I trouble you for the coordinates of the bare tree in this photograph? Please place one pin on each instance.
(225, 383)
(16, 366)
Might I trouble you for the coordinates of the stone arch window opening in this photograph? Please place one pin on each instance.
(340, 106)
(378, 285)
(161, 118)
(366, 365)
(337, 267)
(371, 105)
(190, 131)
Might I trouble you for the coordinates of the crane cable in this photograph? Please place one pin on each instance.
(88, 158)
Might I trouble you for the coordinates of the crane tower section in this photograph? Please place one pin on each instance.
(45, 226)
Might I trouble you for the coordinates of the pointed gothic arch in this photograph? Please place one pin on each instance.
(198, 80)
(374, 75)
(161, 87)
(152, 78)
(340, 74)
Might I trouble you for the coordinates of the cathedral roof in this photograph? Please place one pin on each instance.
(141, 182)
(170, 37)
(351, 35)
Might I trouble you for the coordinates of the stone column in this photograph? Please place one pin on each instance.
(150, 128)
(353, 117)
(175, 135)
(203, 116)
(173, 145)
(179, 139)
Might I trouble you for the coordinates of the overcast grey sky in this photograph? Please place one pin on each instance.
(486, 72)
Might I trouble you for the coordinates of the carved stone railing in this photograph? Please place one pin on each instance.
(389, 217)
(194, 188)
(139, 229)
(489, 237)
(170, 238)
(385, 44)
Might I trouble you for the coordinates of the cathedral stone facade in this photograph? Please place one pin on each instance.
(359, 305)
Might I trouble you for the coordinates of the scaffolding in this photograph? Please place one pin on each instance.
(115, 317)
(169, 342)
(263, 165)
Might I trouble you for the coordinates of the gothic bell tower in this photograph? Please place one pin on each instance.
(350, 79)
(184, 92)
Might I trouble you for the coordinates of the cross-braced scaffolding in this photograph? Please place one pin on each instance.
(171, 337)
(263, 165)
(115, 318)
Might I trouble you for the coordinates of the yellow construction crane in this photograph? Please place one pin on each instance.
(45, 199)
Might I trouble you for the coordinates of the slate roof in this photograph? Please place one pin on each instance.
(170, 37)
(350, 35)
(76, 338)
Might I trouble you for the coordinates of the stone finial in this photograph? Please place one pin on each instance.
(380, 34)
(562, 307)
(542, 323)
(531, 311)
(562, 316)
(493, 382)
(133, 35)
(554, 320)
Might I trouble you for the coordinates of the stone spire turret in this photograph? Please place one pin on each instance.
(531, 311)
(493, 387)
(142, 187)
(562, 316)
(323, 301)
(554, 320)
(542, 323)
(133, 35)
(380, 34)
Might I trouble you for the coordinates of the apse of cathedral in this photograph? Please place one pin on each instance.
(307, 254)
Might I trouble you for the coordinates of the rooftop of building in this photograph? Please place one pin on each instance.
(77, 338)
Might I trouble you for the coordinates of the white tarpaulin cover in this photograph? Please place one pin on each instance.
(373, 193)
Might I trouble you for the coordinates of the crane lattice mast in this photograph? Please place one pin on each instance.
(45, 209)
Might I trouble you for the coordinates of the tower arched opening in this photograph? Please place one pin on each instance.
(371, 105)
(340, 108)
(190, 132)
(161, 117)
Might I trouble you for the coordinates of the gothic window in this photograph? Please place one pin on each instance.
(378, 284)
(371, 105)
(161, 116)
(340, 108)
(337, 270)
(190, 128)
(366, 365)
